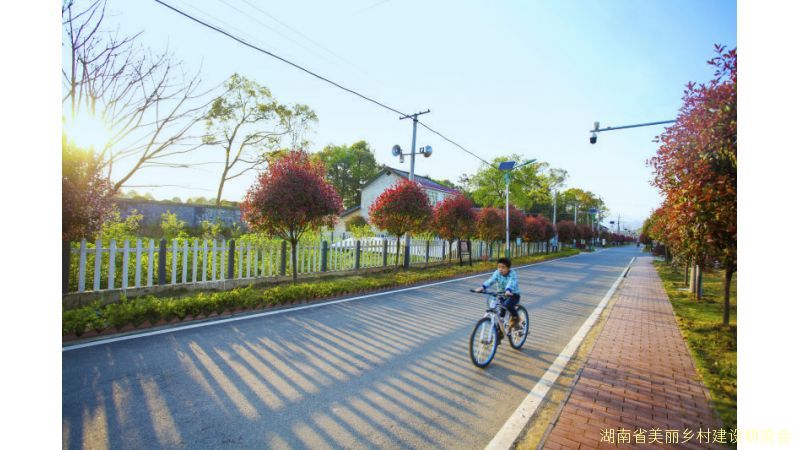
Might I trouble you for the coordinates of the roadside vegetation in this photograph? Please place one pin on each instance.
(151, 310)
(712, 343)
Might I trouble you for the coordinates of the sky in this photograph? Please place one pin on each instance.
(528, 78)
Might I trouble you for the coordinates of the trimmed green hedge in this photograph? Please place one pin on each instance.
(151, 309)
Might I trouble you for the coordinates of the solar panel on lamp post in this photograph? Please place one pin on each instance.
(507, 167)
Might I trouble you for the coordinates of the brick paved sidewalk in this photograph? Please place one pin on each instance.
(638, 376)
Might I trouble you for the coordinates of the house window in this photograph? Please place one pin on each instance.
(431, 197)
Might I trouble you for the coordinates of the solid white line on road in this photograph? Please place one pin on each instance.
(511, 430)
(281, 311)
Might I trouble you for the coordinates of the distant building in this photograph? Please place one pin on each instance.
(385, 179)
(193, 215)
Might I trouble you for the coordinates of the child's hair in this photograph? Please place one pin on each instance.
(504, 261)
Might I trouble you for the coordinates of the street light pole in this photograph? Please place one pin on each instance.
(555, 226)
(508, 230)
(507, 167)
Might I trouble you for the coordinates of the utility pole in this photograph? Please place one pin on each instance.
(407, 257)
(555, 199)
(414, 139)
(575, 221)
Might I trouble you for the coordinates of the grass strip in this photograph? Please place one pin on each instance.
(712, 344)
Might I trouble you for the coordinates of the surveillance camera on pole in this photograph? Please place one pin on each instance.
(593, 137)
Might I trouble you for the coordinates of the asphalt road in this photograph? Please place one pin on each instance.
(389, 371)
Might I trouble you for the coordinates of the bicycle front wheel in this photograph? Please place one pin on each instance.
(483, 343)
(518, 335)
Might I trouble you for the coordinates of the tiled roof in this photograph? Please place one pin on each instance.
(424, 181)
(349, 211)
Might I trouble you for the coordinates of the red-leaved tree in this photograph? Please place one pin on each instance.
(695, 171)
(516, 222)
(453, 219)
(402, 209)
(583, 231)
(566, 230)
(533, 230)
(491, 225)
(290, 198)
(549, 229)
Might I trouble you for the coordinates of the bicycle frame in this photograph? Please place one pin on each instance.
(495, 310)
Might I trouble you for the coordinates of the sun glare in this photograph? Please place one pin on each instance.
(87, 131)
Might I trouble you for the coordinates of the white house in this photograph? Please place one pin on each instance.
(385, 179)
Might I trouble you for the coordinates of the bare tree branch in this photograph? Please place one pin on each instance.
(147, 101)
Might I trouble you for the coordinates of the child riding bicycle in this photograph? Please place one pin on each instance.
(506, 280)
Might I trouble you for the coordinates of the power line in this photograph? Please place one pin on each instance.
(303, 36)
(454, 143)
(266, 52)
(259, 49)
(251, 17)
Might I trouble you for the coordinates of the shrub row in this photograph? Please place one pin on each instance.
(137, 312)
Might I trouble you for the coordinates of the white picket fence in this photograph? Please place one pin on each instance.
(135, 265)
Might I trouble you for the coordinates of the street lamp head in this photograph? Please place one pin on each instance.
(506, 165)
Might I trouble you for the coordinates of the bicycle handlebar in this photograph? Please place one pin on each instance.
(486, 292)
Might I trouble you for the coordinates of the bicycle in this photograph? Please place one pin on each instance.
(485, 336)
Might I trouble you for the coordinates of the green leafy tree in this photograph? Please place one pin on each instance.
(530, 186)
(210, 230)
(247, 122)
(445, 182)
(362, 231)
(120, 229)
(354, 222)
(348, 169)
(172, 227)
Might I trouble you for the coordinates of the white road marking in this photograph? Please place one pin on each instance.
(511, 430)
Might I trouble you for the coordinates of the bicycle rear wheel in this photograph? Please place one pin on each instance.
(518, 335)
(483, 343)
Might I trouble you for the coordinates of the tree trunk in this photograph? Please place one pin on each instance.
(294, 261)
(397, 253)
(693, 278)
(726, 311)
(221, 184)
(699, 286)
(450, 250)
(686, 276)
